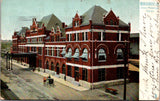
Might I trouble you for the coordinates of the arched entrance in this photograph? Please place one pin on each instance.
(47, 65)
(52, 66)
(57, 68)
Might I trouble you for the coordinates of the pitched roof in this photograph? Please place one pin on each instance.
(96, 14)
(51, 21)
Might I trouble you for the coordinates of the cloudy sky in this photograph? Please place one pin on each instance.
(18, 13)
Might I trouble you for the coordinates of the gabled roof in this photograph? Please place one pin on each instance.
(96, 14)
(51, 21)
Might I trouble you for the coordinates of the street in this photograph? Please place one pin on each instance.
(29, 85)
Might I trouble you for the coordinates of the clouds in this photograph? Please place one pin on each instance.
(25, 18)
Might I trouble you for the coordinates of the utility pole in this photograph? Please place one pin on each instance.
(125, 68)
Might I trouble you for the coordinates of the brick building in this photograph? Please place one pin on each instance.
(89, 50)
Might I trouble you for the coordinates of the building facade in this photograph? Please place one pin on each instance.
(89, 50)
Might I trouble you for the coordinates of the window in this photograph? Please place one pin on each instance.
(39, 39)
(86, 36)
(84, 55)
(52, 66)
(27, 49)
(35, 49)
(57, 38)
(69, 69)
(77, 37)
(104, 36)
(101, 74)
(119, 36)
(40, 50)
(84, 74)
(34, 40)
(76, 23)
(52, 51)
(99, 35)
(119, 54)
(101, 55)
(63, 69)
(70, 37)
(76, 54)
(28, 40)
(74, 37)
(32, 49)
(83, 36)
(47, 50)
(106, 22)
(111, 22)
(47, 65)
(57, 51)
(52, 38)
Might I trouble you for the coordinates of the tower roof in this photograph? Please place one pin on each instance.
(51, 21)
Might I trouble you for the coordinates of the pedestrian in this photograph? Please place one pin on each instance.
(44, 80)
(65, 77)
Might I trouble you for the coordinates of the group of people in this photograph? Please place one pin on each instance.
(48, 80)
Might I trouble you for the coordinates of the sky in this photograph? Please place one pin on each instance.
(19, 13)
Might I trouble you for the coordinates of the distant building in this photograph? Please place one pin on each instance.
(134, 46)
(89, 50)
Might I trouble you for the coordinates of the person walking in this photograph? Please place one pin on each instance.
(44, 80)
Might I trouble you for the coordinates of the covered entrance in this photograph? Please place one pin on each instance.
(31, 57)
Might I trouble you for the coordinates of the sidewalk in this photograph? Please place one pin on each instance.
(79, 88)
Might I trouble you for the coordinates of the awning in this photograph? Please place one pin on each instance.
(102, 54)
(76, 55)
(63, 52)
(133, 68)
(68, 55)
(84, 56)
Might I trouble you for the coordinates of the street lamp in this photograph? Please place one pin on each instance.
(125, 68)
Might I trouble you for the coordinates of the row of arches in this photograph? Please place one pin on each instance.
(101, 52)
(55, 67)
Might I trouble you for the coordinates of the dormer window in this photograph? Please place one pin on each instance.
(111, 22)
(76, 23)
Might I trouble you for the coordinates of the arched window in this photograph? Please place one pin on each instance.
(76, 54)
(63, 69)
(111, 22)
(84, 55)
(52, 66)
(119, 54)
(101, 55)
(47, 65)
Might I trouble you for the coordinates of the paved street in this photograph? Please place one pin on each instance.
(28, 85)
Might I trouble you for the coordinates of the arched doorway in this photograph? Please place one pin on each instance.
(52, 66)
(57, 68)
(63, 69)
(47, 65)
